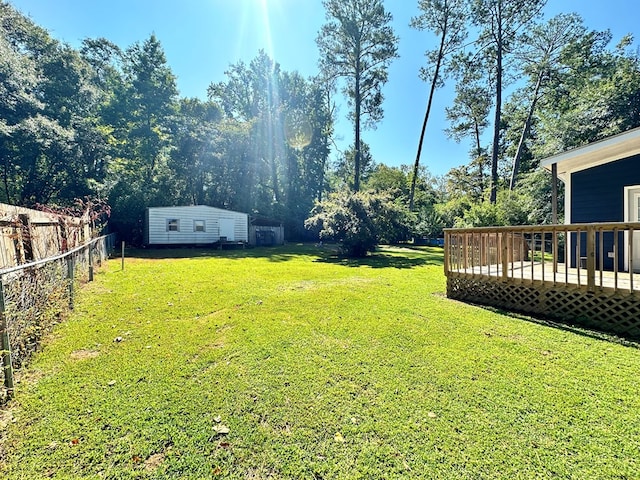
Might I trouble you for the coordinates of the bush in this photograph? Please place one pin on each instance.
(429, 224)
(359, 221)
(510, 209)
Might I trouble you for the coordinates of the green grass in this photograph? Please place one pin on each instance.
(321, 368)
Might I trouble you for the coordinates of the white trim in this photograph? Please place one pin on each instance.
(628, 192)
(170, 222)
(195, 225)
(567, 201)
(617, 147)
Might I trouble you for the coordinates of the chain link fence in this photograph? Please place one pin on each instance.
(34, 297)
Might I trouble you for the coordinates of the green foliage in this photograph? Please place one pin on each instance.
(604, 86)
(283, 159)
(108, 122)
(535, 190)
(359, 221)
(51, 147)
(447, 19)
(358, 44)
(511, 208)
(500, 21)
(429, 224)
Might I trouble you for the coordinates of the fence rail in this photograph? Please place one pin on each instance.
(33, 298)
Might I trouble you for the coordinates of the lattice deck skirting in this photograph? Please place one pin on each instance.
(605, 310)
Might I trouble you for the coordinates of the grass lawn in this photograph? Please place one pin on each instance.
(291, 363)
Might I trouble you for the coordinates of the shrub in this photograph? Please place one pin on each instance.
(359, 221)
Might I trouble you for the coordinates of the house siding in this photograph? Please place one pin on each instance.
(158, 234)
(597, 195)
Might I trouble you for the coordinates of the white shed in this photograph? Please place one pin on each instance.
(194, 225)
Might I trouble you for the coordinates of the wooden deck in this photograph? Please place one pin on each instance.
(537, 273)
(577, 273)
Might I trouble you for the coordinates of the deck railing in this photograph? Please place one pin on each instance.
(590, 256)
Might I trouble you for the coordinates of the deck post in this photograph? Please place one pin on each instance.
(505, 255)
(447, 245)
(465, 251)
(591, 258)
(631, 267)
(554, 239)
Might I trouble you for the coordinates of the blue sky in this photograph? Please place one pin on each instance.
(201, 38)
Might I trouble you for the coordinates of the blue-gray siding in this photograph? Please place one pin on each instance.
(597, 195)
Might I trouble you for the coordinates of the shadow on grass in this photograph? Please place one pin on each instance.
(272, 254)
(403, 257)
(570, 326)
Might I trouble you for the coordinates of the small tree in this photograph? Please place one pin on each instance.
(358, 221)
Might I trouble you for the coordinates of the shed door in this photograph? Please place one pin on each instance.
(227, 228)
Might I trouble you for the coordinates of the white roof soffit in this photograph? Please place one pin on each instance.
(604, 151)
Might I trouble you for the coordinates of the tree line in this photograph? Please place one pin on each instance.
(105, 122)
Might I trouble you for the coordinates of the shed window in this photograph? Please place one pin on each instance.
(173, 225)
(198, 226)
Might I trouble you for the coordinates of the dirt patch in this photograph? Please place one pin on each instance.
(154, 461)
(84, 354)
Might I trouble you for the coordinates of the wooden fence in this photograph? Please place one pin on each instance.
(28, 235)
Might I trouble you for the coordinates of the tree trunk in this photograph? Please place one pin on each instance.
(274, 178)
(479, 159)
(434, 83)
(5, 181)
(525, 133)
(358, 100)
(498, 116)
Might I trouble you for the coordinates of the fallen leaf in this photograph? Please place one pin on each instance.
(431, 415)
(217, 471)
(223, 445)
(75, 441)
(354, 420)
(136, 459)
(111, 383)
(217, 419)
(221, 429)
(338, 437)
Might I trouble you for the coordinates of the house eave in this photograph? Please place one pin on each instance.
(619, 146)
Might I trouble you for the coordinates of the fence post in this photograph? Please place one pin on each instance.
(90, 262)
(70, 278)
(122, 255)
(6, 346)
